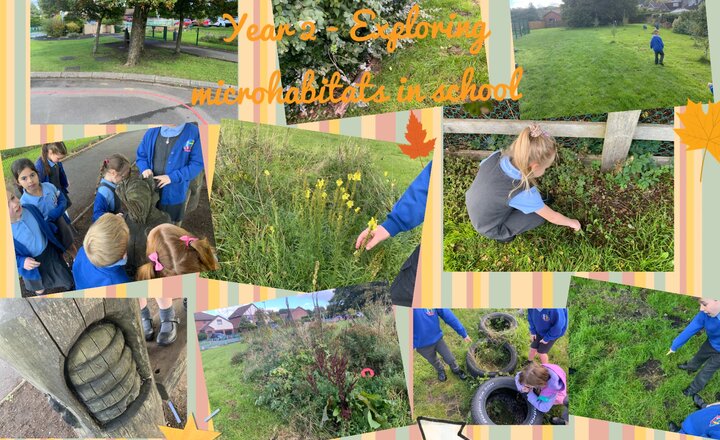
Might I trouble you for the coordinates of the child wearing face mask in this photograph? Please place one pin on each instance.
(709, 352)
(102, 258)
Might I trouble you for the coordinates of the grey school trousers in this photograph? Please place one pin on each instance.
(430, 353)
(711, 358)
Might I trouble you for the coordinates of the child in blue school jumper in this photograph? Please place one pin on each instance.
(50, 168)
(38, 253)
(709, 352)
(102, 258)
(703, 423)
(172, 155)
(113, 170)
(657, 45)
(428, 339)
(546, 327)
(503, 201)
(46, 197)
(407, 214)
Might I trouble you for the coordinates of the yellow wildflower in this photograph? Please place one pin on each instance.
(386, 173)
(307, 193)
(339, 182)
(324, 195)
(345, 196)
(266, 172)
(372, 224)
(357, 176)
(271, 229)
(320, 184)
(350, 204)
(357, 210)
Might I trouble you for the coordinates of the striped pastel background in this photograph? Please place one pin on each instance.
(694, 207)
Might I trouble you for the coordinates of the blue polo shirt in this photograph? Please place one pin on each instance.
(527, 201)
(46, 202)
(27, 231)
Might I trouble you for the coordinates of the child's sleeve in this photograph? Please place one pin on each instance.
(527, 201)
(451, 320)
(543, 402)
(42, 177)
(60, 208)
(409, 211)
(141, 155)
(193, 168)
(556, 330)
(697, 324)
(100, 206)
(531, 324)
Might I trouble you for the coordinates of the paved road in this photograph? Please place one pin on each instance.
(96, 101)
(83, 170)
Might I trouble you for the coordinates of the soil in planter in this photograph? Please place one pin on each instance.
(650, 374)
(498, 324)
(490, 355)
(506, 407)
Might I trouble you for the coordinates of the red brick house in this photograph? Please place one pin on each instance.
(209, 324)
(243, 312)
(297, 314)
(553, 18)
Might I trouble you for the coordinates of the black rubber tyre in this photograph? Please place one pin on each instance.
(102, 371)
(484, 325)
(476, 371)
(479, 401)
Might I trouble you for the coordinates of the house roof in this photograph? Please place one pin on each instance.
(240, 310)
(297, 313)
(202, 316)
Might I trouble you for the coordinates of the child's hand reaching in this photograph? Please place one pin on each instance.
(30, 264)
(379, 235)
(574, 224)
(147, 173)
(467, 338)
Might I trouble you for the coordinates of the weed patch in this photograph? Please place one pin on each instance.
(490, 355)
(507, 407)
(650, 374)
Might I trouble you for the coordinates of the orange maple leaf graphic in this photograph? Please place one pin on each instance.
(702, 130)
(418, 146)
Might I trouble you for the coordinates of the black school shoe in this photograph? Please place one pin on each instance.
(684, 367)
(673, 427)
(168, 337)
(442, 377)
(460, 373)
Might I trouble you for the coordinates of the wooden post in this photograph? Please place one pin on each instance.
(90, 356)
(618, 137)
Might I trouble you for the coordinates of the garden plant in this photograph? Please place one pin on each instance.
(619, 339)
(297, 230)
(626, 216)
(451, 400)
(310, 379)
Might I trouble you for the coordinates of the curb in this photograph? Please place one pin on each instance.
(151, 79)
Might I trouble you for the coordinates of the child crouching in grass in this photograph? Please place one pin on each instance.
(102, 258)
(503, 201)
(38, 253)
(545, 385)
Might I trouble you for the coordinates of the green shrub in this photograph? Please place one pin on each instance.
(202, 336)
(72, 27)
(54, 27)
(237, 358)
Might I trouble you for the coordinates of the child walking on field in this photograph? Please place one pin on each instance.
(503, 201)
(546, 326)
(113, 170)
(657, 45)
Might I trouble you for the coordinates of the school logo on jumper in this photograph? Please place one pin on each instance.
(429, 312)
(545, 317)
(188, 146)
(715, 421)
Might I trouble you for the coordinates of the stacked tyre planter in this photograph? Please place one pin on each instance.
(499, 382)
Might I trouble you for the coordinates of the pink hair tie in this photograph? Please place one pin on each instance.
(155, 259)
(188, 239)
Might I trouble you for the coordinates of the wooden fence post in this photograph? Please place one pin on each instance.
(618, 137)
(90, 356)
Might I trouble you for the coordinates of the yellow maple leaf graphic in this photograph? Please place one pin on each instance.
(702, 130)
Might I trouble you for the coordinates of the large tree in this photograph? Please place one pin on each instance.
(585, 13)
(355, 297)
(141, 10)
(98, 10)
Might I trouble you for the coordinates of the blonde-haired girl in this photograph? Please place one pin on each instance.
(171, 250)
(503, 200)
(102, 258)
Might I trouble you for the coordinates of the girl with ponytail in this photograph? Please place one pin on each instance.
(171, 250)
(503, 200)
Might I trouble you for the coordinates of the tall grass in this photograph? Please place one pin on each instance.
(287, 215)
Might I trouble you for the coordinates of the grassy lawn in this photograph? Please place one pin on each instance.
(32, 153)
(210, 37)
(626, 218)
(236, 397)
(578, 71)
(297, 230)
(619, 337)
(429, 62)
(451, 400)
(45, 56)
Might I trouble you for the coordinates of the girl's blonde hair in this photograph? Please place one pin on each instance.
(535, 376)
(532, 146)
(106, 241)
(117, 162)
(172, 251)
(54, 147)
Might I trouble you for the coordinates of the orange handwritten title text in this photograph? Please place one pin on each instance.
(332, 89)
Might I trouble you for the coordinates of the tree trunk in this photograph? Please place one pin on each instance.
(137, 37)
(97, 34)
(179, 34)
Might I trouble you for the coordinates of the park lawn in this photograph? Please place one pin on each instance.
(626, 218)
(451, 400)
(32, 153)
(235, 397)
(45, 56)
(615, 330)
(580, 71)
(276, 228)
(210, 37)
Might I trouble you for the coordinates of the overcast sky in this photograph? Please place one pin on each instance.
(536, 3)
(304, 301)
